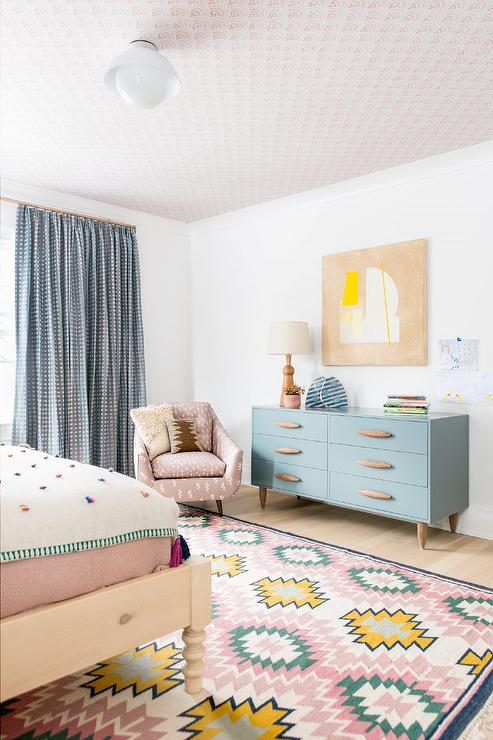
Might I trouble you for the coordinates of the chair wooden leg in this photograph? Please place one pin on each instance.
(262, 492)
(453, 521)
(422, 534)
(219, 505)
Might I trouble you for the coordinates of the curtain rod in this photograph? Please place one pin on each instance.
(67, 213)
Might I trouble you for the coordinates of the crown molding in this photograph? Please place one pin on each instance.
(423, 169)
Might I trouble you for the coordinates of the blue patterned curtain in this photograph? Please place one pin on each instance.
(80, 345)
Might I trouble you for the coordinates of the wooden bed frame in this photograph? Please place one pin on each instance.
(46, 643)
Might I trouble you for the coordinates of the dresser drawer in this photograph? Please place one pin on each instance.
(382, 434)
(305, 481)
(293, 424)
(302, 452)
(379, 496)
(402, 467)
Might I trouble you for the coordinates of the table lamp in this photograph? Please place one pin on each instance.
(288, 338)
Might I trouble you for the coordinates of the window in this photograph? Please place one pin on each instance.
(7, 330)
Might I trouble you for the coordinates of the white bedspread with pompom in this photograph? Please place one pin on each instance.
(51, 505)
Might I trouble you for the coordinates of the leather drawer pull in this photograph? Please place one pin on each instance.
(374, 464)
(125, 618)
(374, 494)
(287, 450)
(285, 476)
(287, 424)
(374, 433)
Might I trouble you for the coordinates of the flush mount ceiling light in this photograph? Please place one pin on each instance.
(142, 76)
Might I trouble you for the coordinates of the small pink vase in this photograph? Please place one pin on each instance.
(292, 402)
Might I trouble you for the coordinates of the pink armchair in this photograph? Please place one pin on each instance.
(213, 474)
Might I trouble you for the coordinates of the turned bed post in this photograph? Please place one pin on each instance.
(43, 644)
(194, 633)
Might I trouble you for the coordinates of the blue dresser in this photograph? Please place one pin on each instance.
(406, 467)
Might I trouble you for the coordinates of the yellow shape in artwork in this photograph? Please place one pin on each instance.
(356, 318)
(387, 325)
(351, 290)
(374, 315)
(347, 317)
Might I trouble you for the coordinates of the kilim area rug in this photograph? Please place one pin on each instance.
(307, 641)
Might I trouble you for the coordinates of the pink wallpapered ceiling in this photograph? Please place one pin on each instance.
(278, 97)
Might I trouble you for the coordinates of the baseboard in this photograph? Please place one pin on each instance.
(476, 521)
(246, 476)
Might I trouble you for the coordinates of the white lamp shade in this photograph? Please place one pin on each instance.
(142, 76)
(289, 338)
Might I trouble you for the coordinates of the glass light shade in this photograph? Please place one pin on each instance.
(289, 338)
(142, 76)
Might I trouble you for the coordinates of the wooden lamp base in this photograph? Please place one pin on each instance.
(288, 381)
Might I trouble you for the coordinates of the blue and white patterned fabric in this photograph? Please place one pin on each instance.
(79, 337)
(326, 393)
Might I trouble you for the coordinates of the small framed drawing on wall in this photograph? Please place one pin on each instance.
(374, 305)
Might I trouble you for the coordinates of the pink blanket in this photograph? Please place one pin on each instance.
(33, 582)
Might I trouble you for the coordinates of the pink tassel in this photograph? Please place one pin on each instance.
(176, 554)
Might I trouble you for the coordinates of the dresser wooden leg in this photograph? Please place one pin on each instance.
(422, 534)
(453, 522)
(262, 492)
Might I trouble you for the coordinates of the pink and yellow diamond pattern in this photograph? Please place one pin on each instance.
(384, 628)
(308, 641)
(283, 592)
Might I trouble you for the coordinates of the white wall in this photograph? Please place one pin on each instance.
(264, 263)
(165, 277)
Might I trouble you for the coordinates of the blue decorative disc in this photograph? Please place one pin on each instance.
(326, 393)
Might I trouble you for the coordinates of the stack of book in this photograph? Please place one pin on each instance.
(405, 404)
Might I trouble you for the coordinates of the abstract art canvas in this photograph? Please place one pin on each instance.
(374, 305)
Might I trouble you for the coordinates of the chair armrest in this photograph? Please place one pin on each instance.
(228, 451)
(143, 470)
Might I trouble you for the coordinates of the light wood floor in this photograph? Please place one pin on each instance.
(457, 555)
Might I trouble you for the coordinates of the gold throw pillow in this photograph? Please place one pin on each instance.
(150, 422)
(183, 436)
